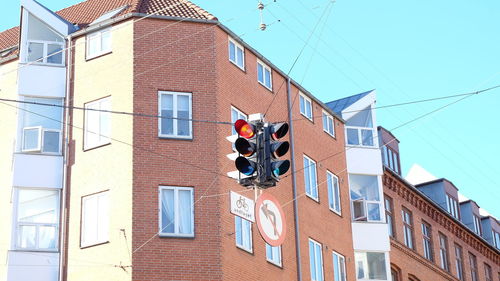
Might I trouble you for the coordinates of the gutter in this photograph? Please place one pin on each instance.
(64, 212)
(294, 183)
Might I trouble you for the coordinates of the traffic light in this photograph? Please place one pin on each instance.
(246, 146)
(273, 150)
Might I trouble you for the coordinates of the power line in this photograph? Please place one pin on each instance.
(298, 56)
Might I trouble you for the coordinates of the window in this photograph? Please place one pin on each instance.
(328, 124)
(391, 159)
(473, 267)
(310, 179)
(477, 225)
(305, 106)
(459, 262)
(333, 192)
(175, 112)
(42, 126)
(45, 46)
(315, 260)
(264, 75)
(427, 241)
(243, 230)
(95, 219)
(487, 272)
(273, 254)
(97, 129)
(407, 227)
(339, 267)
(236, 54)
(37, 212)
(359, 129)
(443, 252)
(370, 265)
(395, 274)
(496, 239)
(365, 198)
(452, 206)
(176, 211)
(98, 43)
(389, 216)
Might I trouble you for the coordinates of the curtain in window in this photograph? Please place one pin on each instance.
(167, 213)
(183, 115)
(167, 112)
(185, 219)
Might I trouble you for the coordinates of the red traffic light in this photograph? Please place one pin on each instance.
(244, 129)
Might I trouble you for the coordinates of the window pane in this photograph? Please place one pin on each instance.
(183, 116)
(376, 266)
(365, 187)
(54, 53)
(106, 41)
(103, 217)
(367, 136)
(185, 213)
(26, 236)
(239, 57)
(260, 73)
(302, 105)
(307, 179)
(89, 223)
(314, 186)
(352, 136)
(31, 139)
(94, 42)
(167, 113)
(268, 78)
(38, 206)
(167, 211)
(232, 52)
(238, 230)
(312, 260)
(51, 141)
(373, 211)
(47, 237)
(35, 52)
(47, 116)
(308, 109)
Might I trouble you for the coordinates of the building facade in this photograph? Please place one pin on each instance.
(433, 236)
(116, 115)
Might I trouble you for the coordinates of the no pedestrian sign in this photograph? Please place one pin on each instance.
(270, 220)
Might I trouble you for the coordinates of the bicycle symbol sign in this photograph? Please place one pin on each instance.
(242, 206)
(270, 219)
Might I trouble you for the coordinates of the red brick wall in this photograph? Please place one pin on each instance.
(413, 261)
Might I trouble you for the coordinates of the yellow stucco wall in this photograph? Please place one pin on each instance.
(104, 168)
(8, 128)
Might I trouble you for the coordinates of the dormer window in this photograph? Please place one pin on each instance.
(452, 206)
(391, 159)
(477, 225)
(359, 129)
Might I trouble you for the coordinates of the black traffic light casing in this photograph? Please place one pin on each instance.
(247, 147)
(273, 167)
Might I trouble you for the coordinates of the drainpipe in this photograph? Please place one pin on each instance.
(63, 221)
(294, 183)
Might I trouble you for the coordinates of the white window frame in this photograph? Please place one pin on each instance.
(41, 135)
(103, 219)
(236, 46)
(340, 265)
(265, 68)
(334, 192)
(312, 185)
(307, 102)
(45, 54)
(16, 231)
(101, 51)
(318, 269)
(359, 131)
(103, 139)
(276, 260)
(328, 118)
(174, 113)
(176, 232)
(250, 234)
(367, 273)
(477, 225)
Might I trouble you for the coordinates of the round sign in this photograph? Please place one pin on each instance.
(270, 220)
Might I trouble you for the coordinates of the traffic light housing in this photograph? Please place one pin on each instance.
(273, 150)
(246, 146)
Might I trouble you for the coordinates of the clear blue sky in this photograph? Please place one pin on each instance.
(406, 50)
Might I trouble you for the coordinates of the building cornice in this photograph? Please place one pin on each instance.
(436, 213)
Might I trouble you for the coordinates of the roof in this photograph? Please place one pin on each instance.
(339, 105)
(82, 14)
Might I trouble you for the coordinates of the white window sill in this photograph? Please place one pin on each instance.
(339, 213)
(275, 263)
(97, 243)
(174, 235)
(244, 249)
(308, 118)
(86, 148)
(240, 67)
(44, 64)
(100, 54)
(362, 146)
(311, 197)
(175, 137)
(38, 153)
(265, 86)
(35, 250)
(331, 135)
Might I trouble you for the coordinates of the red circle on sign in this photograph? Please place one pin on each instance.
(268, 212)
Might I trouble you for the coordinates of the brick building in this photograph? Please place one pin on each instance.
(433, 235)
(127, 195)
